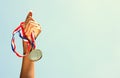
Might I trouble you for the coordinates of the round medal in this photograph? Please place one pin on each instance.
(35, 55)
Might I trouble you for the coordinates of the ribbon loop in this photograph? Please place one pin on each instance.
(22, 35)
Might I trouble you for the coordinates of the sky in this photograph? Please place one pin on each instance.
(79, 38)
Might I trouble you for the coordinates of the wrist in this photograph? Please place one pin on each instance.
(26, 47)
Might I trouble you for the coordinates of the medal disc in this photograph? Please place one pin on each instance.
(35, 55)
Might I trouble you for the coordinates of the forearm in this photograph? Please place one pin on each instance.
(27, 70)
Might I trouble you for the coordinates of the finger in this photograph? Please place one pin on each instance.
(36, 31)
(28, 20)
(36, 27)
(33, 29)
(28, 31)
(32, 26)
(29, 15)
(27, 26)
(33, 23)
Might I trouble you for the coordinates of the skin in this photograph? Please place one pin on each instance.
(30, 26)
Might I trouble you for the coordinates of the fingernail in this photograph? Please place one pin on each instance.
(30, 11)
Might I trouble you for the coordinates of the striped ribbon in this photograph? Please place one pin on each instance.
(21, 32)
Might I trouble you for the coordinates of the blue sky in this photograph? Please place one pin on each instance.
(79, 39)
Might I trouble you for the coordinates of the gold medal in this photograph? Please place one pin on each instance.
(35, 55)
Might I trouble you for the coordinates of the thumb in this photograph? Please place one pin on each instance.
(29, 15)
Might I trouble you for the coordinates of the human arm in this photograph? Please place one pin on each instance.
(27, 70)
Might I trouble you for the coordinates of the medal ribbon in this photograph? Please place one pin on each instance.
(22, 35)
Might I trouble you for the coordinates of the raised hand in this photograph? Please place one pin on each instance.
(31, 26)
